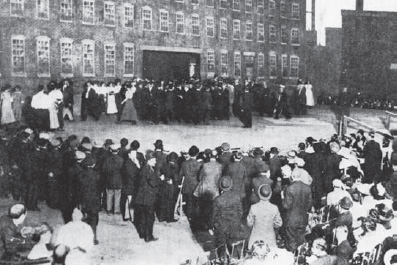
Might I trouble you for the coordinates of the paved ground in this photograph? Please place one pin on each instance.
(119, 242)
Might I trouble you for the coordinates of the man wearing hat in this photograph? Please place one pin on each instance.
(372, 154)
(237, 171)
(227, 214)
(274, 164)
(188, 174)
(334, 197)
(297, 201)
(69, 185)
(246, 105)
(146, 199)
(265, 219)
(90, 194)
(55, 169)
(282, 106)
(113, 180)
(134, 146)
(344, 215)
(226, 156)
(161, 157)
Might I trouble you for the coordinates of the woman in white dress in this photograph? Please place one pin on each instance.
(55, 96)
(7, 115)
(309, 94)
(111, 107)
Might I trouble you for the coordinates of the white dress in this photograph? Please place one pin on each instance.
(111, 102)
(309, 95)
(7, 115)
(54, 96)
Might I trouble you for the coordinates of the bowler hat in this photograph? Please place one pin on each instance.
(225, 183)
(108, 142)
(345, 203)
(274, 150)
(87, 146)
(158, 144)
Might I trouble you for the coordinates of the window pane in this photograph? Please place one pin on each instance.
(66, 10)
(66, 58)
(88, 12)
(129, 60)
(110, 16)
(129, 16)
(43, 57)
(18, 56)
(237, 64)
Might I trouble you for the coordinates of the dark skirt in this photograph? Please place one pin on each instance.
(129, 111)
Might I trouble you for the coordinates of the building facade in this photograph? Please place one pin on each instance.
(167, 39)
(369, 51)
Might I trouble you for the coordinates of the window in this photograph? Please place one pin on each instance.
(248, 30)
(88, 58)
(66, 10)
(224, 63)
(210, 27)
(272, 8)
(236, 29)
(109, 14)
(110, 59)
(195, 25)
(43, 9)
(223, 4)
(43, 56)
(295, 11)
(209, 3)
(261, 65)
(272, 34)
(272, 64)
(261, 32)
(18, 55)
(295, 36)
(261, 6)
(248, 6)
(164, 20)
(128, 15)
(283, 9)
(180, 22)
(294, 63)
(237, 64)
(195, 2)
(223, 26)
(88, 12)
(210, 61)
(129, 52)
(284, 65)
(146, 18)
(236, 5)
(17, 8)
(284, 35)
(66, 57)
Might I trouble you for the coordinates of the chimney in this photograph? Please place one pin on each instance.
(313, 14)
(359, 5)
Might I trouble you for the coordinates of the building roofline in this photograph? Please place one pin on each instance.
(368, 13)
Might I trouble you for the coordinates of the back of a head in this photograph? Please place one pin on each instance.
(17, 210)
(193, 151)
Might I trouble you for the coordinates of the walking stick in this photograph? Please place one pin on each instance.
(178, 211)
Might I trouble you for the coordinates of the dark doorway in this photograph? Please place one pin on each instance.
(169, 65)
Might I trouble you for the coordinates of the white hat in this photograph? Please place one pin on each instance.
(337, 183)
(44, 136)
(28, 130)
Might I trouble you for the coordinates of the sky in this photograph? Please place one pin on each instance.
(328, 12)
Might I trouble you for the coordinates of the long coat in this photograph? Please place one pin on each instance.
(148, 187)
(238, 173)
(90, 192)
(189, 170)
(297, 202)
(209, 176)
(130, 173)
(112, 171)
(265, 218)
(373, 159)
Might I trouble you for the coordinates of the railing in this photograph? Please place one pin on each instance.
(388, 118)
(346, 119)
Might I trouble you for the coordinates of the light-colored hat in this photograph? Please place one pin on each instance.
(337, 183)
(44, 136)
(28, 130)
(80, 155)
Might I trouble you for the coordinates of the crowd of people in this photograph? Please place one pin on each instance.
(257, 195)
(189, 102)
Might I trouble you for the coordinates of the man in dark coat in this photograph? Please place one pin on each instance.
(297, 201)
(331, 170)
(130, 173)
(207, 105)
(112, 170)
(146, 198)
(11, 240)
(134, 146)
(225, 102)
(68, 99)
(344, 250)
(90, 194)
(160, 99)
(189, 172)
(225, 158)
(227, 214)
(246, 105)
(282, 105)
(275, 164)
(169, 102)
(372, 160)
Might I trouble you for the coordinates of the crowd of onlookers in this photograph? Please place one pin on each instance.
(226, 192)
(185, 101)
(359, 100)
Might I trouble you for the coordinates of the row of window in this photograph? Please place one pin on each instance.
(18, 58)
(88, 53)
(109, 11)
(290, 70)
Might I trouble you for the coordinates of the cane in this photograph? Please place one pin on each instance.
(179, 203)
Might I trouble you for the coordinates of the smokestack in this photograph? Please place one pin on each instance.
(313, 15)
(359, 5)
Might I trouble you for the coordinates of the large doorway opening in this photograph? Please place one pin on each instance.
(164, 65)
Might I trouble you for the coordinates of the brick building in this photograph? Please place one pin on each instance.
(369, 50)
(167, 39)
